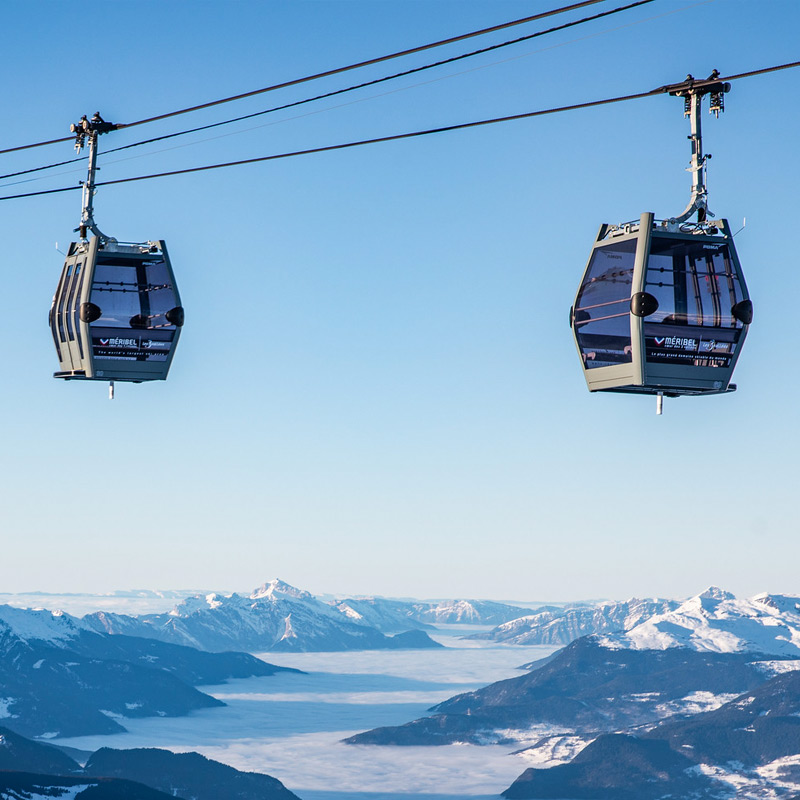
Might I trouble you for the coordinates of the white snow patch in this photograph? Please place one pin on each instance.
(49, 735)
(132, 706)
(46, 792)
(531, 737)
(784, 772)
(554, 750)
(288, 631)
(773, 668)
(641, 697)
(111, 714)
(5, 702)
(38, 664)
(695, 703)
(349, 612)
(739, 786)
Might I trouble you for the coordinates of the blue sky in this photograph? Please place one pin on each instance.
(376, 390)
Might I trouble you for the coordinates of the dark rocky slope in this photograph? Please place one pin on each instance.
(188, 775)
(585, 687)
(617, 767)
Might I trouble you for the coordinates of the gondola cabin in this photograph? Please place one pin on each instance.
(116, 314)
(661, 311)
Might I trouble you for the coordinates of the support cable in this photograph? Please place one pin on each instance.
(369, 62)
(667, 89)
(330, 72)
(336, 92)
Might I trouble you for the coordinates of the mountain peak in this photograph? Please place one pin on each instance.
(715, 593)
(277, 587)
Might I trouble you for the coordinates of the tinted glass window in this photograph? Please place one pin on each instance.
(69, 307)
(65, 280)
(160, 295)
(134, 296)
(55, 317)
(694, 283)
(602, 311)
(115, 292)
(696, 287)
(74, 306)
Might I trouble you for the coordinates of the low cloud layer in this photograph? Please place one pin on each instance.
(291, 726)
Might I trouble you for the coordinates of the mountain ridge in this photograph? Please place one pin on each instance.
(61, 678)
(273, 617)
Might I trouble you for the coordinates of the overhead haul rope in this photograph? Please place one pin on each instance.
(330, 72)
(336, 92)
(395, 137)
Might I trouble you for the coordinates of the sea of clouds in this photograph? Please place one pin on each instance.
(290, 726)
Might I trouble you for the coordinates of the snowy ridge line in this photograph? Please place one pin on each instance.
(564, 625)
(274, 617)
(278, 616)
(40, 624)
(716, 621)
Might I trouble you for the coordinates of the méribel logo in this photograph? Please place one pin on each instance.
(659, 340)
(104, 342)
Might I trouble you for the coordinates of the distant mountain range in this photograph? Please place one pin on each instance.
(31, 770)
(58, 677)
(391, 615)
(275, 616)
(279, 617)
(564, 625)
(466, 612)
(701, 700)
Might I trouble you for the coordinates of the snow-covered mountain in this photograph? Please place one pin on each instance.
(748, 747)
(58, 676)
(564, 625)
(399, 615)
(690, 659)
(583, 689)
(275, 616)
(388, 616)
(466, 612)
(716, 621)
(40, 625)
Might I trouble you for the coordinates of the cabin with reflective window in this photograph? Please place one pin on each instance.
(116, 314)
(662, 309)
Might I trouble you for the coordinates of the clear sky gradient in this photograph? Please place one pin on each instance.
(376, 390)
